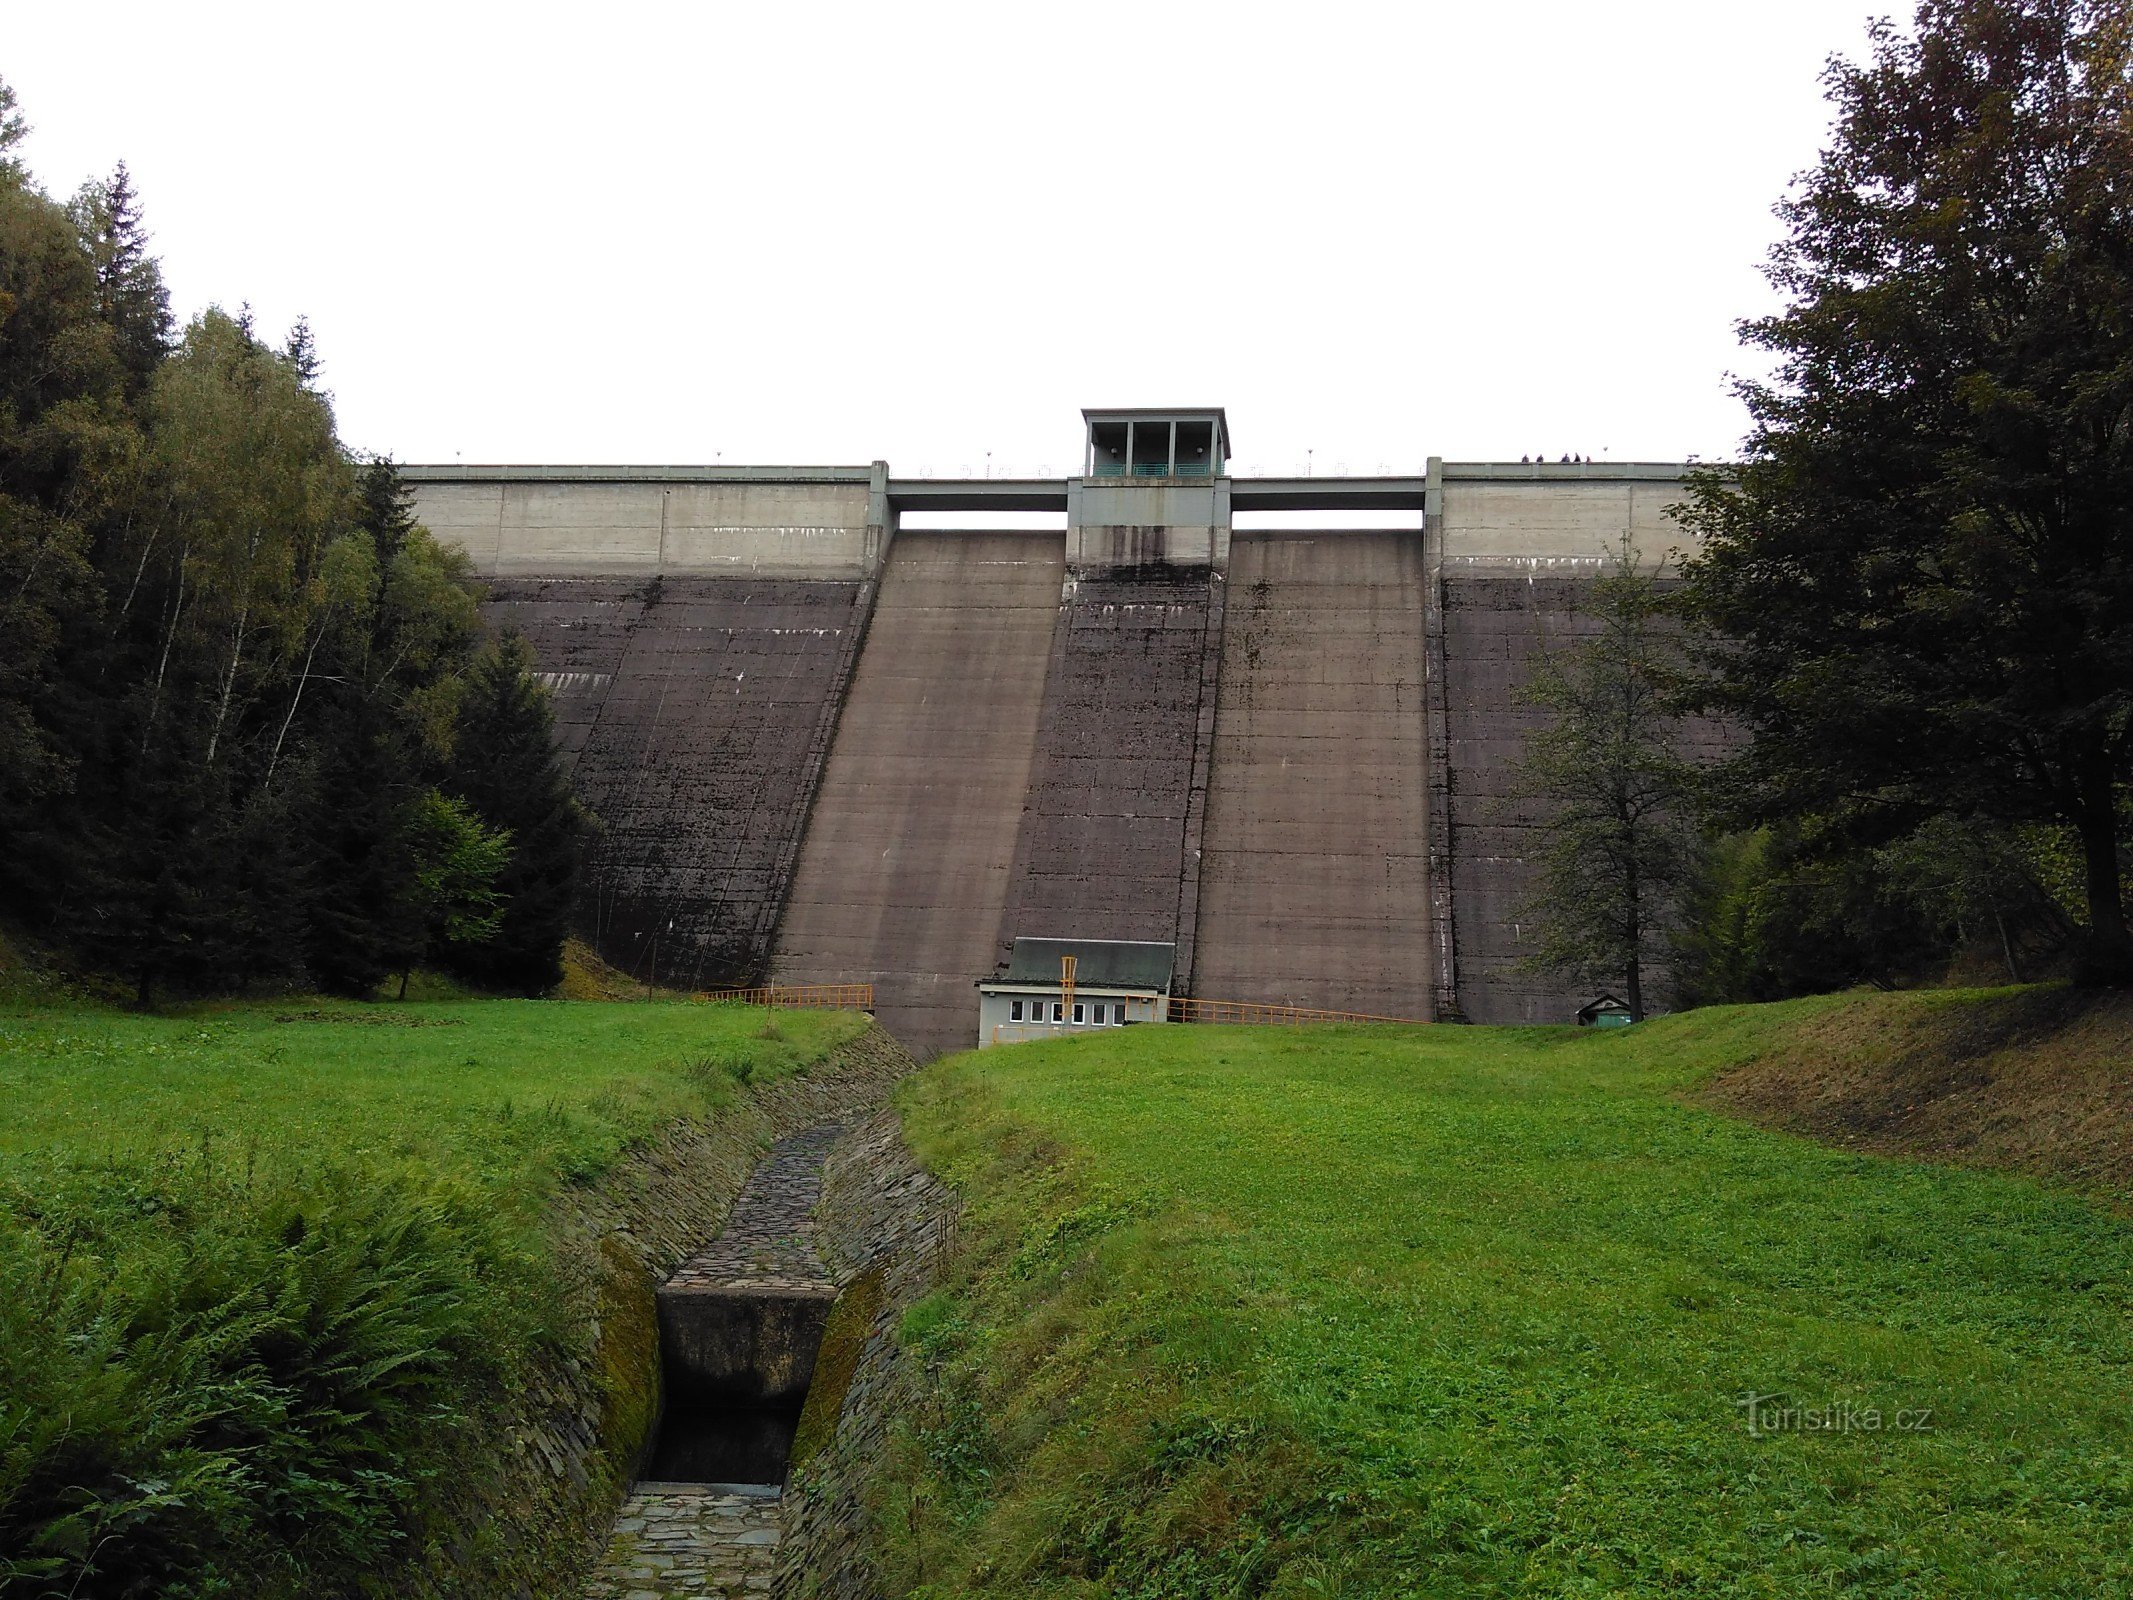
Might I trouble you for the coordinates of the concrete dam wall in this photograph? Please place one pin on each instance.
(911, 846)
(1314, 887)
(827, 749)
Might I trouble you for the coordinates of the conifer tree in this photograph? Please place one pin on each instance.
(129, 280)
(506, 766)
(66, 443)
(13, 130)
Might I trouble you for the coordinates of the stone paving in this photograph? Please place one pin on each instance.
(768, 1242)
(682, 1541)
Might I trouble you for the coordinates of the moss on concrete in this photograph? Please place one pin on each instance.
(627, 1359)
(845, 1335)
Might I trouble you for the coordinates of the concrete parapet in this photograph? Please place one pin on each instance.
(1561, 518)
(602, 528)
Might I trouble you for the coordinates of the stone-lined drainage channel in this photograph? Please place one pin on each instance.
(739, 1325)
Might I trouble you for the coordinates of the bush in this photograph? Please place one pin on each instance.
(211, 1384)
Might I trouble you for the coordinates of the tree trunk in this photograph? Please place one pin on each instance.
(155, 699)
(2107, 960)
(229, 682)
(2007, 949)
(1633, 979)
(295, 700)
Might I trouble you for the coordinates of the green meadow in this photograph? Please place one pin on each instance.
(513, 1096)
(1375, 1311)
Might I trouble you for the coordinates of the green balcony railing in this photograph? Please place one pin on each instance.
(1154, 469)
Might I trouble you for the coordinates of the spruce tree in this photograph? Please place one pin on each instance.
(130, 285)
(361, 922)
(506, 766)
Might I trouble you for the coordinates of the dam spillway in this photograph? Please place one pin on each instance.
(828, 748)
(905, 872)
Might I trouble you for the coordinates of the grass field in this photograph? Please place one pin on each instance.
(511, 1095)
(271, 1275)
(1473, 1312)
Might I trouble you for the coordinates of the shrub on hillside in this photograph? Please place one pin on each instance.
(213, 1383)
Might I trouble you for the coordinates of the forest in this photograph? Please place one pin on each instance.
(253, 730)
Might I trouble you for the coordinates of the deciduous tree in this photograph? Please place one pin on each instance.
(1611, 789)
(1919, 581)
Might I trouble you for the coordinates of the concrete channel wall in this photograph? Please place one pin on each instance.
(1314, 888)
(907, 860)
(828, 751)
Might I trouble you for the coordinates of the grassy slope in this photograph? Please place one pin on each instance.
(269, 1273)
(512, 1095)
(1466, 1311)
(2032, 1080)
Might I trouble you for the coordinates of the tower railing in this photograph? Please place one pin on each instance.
(1153, 469)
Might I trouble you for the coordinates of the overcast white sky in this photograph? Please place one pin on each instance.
(814, 233)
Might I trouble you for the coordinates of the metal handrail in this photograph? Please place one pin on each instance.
(798, 997)
(1153, 469)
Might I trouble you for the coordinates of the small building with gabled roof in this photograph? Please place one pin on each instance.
(1053, 986)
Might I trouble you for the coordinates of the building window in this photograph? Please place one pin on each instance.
(1014, 1011)
(1098, 1017)
(1079, 1008)
(1058, 1012)
(1118, 1012)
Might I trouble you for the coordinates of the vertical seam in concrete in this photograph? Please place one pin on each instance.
(1203, 755)
(1437, 773)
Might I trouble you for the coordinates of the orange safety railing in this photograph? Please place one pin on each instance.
(1256, 1011)
(800, 996)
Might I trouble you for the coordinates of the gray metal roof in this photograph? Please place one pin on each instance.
(1098, 963)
